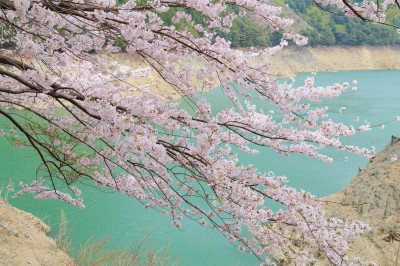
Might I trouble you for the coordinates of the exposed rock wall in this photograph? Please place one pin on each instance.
(334, 58)
(373, 196)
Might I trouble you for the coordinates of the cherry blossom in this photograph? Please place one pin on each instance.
(89, 124)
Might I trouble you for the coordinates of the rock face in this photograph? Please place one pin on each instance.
(373, 196)
(294, 60)
(23, 240)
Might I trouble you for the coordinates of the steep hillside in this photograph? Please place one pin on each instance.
(329, 28)
(322, 27)
(373, 196)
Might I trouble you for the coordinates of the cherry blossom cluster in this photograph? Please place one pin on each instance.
(89, 124)
(367, 10)
(45, 192)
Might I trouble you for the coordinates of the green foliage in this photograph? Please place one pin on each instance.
(330, 29)
(245, 33)
(121, 2)
(324, 28)
(6, 36)
(182, 24)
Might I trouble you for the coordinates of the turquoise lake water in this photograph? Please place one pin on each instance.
(125, 222)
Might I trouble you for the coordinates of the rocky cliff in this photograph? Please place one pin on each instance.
(294, 60)
(373, 196)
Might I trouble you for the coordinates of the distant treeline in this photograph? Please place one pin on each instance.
(330, 29)
(244, 31)
(324, 28)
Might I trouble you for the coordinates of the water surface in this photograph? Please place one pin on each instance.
(125, 222)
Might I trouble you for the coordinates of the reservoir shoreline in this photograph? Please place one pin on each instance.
(287, 63)
(295, 60)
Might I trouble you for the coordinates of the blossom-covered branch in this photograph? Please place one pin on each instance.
(89, 124)
(366, 10)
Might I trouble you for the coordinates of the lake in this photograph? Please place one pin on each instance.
(125, 222)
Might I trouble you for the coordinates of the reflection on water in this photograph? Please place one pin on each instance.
(125, 221)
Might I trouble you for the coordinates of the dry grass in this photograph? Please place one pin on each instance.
(63, 239)
(95, 252)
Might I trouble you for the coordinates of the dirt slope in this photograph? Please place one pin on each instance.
(23, 240)
(373, 196)
(334, 58)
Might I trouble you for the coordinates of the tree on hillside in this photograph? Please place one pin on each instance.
(88, 124)
(366, 10)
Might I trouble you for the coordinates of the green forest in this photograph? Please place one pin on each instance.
(324, 28)
(330, 29)
(320, 26)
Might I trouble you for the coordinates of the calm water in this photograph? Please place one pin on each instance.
(125, 222)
